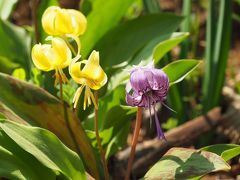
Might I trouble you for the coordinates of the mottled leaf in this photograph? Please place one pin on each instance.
(183, 163)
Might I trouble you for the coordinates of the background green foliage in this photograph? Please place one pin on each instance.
(126, 32)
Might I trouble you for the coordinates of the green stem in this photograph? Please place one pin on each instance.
(99, 140)
(70, 46)
(134, 142)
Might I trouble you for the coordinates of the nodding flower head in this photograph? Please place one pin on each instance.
(146, 87)
(90, 76)
(58, 22)
(54, 56)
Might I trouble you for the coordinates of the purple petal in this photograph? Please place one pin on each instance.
(150, 112)
(128, 87)
(159, 80)
(139, 81)
(133, 100)
(144, 102)
(160, 133)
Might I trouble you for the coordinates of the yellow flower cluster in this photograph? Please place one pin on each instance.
(62, 24)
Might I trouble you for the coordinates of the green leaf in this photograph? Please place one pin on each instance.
(158, 47)
(16, 46)
(105, 136)
(45, 147)
(219, 24)
(183, 163)
(121, 43)
(6, 7)
(145, 56)
(9, 114)
(163, 47)
(178, 70)
(19, 164)
(170, 124)
(118, 119)
(6, 65)
(39, 108)
(115, 117)
(146, 53)
(226, 151)
(151, 6)
(100, 21)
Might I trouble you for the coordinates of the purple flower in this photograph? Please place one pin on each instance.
(146, 87)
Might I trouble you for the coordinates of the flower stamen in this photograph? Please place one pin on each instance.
(77, 95)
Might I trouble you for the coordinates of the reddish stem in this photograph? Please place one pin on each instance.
(134, 142)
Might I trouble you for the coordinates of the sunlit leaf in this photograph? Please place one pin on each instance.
(183, 163)
(226, 151)
(45, 147)
(19, 164)
(163, 47)
(39, 108)
(178, 70)
(6, 7)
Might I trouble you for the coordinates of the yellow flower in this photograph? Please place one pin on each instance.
(61, 22)
(90, 76)
(55, 56)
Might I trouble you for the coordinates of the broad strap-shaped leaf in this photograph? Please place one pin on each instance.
(45, 147)
(9, 114)
(19, 164)
(226, 151)
(163, 47)
(121, 43)
(183, 163)
(158, 47)
(179, 69)
(39, 108)
(154, 50)
(100, 20)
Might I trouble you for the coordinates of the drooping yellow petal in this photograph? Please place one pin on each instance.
(40, 58)
(63, 22)
(48, 20)
(92, 75)
(93, 72)
(48, 57)
(79, 22)
(62, 53)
